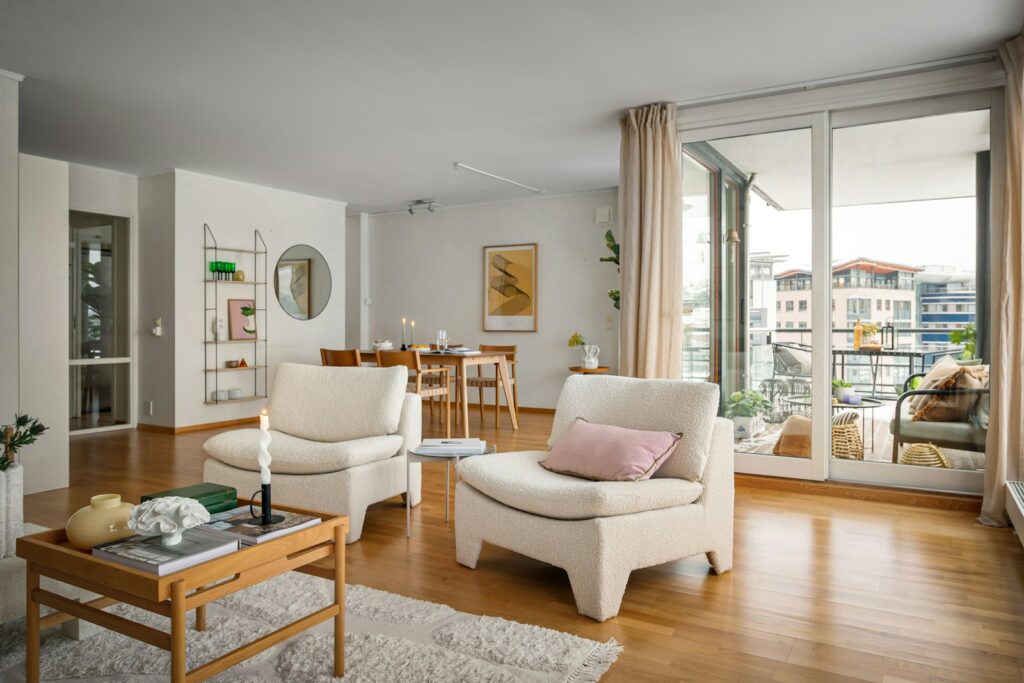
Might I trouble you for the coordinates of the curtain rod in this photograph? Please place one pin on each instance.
(457, 165)
(977, 58)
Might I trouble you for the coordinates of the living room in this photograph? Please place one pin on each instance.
(405, 341)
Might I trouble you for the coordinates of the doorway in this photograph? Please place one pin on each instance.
(99, 344)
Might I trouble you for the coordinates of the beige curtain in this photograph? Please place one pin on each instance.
(651, 238)
(1004, 458)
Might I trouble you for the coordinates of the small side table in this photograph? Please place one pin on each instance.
(414, 455)
(579, 370)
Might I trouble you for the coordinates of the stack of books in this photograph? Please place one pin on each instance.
(452, 447)
(240, 525)
(150, 555)
(214, 497)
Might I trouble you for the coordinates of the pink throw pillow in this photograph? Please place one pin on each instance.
(608, 453)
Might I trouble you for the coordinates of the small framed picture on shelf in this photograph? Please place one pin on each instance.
(241, 319)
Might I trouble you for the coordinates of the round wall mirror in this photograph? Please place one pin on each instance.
(302, 282)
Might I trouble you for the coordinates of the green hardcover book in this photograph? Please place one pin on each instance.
(214, 497)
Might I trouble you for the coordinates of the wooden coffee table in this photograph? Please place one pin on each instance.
(318, 550)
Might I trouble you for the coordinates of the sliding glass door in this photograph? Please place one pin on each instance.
(910, 227)
(832, 261)
(748, 269)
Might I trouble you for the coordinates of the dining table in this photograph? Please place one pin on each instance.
(461, 362)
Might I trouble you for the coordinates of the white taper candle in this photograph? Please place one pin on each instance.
(264, 444)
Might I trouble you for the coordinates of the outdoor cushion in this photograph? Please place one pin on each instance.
(517, 480)
(795, 437)
(965, 433)
(677, 406)
(292, 455)
(609, 453)
(336, 404)
(953, 407)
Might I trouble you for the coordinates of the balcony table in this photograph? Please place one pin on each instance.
(915, 358)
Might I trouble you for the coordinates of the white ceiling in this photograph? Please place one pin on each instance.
(370, 102)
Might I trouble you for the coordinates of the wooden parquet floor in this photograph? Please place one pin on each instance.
(823, 588)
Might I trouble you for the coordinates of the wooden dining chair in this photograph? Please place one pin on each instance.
(482, 381)
(418, 384)
(340, 358)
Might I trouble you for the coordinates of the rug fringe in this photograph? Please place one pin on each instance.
(596, 663)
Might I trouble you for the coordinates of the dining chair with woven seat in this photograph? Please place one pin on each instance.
(340, 358)
(482, 381)
(418, 382)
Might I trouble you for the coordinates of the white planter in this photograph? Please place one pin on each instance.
(747, 427)
(12, 511)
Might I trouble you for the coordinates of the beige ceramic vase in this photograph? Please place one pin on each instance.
(105, 519)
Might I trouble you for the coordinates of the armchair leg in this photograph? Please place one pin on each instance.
(598, 591)
(895, 450)
(720, 560)
(467, 544)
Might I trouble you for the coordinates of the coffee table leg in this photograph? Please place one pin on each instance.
(31, 626)
(339, 599)
(408, 497)
(178, 632)
(201, 618)
(447, 483)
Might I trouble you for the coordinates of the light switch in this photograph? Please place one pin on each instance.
(603, 215)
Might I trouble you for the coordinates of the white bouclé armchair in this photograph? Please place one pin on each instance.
(339, 437)
(599, 532)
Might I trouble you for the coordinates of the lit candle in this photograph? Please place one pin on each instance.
(264, 443)
(412, 332)
(403, 331)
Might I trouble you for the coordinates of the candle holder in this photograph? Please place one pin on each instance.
(265, 517)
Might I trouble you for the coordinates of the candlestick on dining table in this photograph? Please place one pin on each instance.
(403, 334)
(263, 460)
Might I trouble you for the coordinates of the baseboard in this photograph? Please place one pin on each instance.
(937, 500)
(160, 429)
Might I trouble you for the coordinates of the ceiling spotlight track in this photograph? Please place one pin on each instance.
(421, 204)
(458, 165)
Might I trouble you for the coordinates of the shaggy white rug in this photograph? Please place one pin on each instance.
(388, 638)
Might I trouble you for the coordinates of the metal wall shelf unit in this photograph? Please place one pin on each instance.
(213, 366)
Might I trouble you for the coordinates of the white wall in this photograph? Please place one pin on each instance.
(99, 190)
(9, 250)
(357, 281)
(156, 298)
(233, 210)
(43, 317)
(429, 267)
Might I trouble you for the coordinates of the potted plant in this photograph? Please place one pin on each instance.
(590, 351)
(968, 338)
(746, 409)
(842, 390)
(23, 432)
(869, 331)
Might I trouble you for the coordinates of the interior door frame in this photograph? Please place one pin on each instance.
(133, 325)
(815, 467)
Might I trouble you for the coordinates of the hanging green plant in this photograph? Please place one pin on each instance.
(613, 246)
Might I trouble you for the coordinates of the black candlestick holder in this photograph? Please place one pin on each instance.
(265, 517)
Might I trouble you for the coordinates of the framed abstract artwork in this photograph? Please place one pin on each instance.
(241, 319)
(510, 288)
